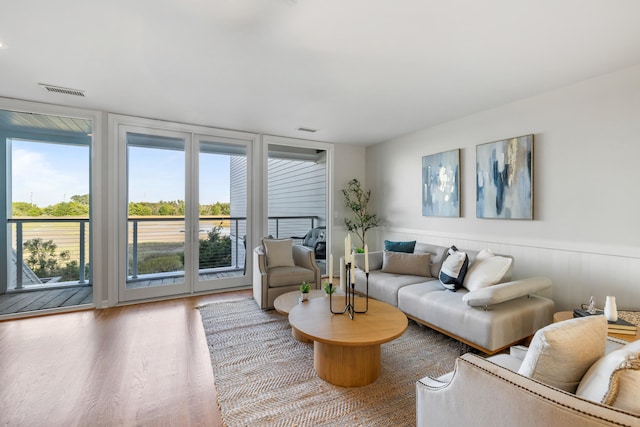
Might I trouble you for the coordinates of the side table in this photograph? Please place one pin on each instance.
(566, 315)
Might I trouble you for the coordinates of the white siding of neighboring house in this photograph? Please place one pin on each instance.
(238, 201)
(296, 188)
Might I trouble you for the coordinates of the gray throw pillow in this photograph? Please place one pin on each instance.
(279, 252)
(404, 263)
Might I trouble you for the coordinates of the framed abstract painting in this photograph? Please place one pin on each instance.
(504, 179)
(441, 184)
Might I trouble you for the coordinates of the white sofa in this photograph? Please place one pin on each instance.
(491, 392)
(490, 319)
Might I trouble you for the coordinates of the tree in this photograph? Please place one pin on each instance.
(166, 209)
(25, 209)
(139, 209)
(42, 259)
(67, 209)
(215, 251)
(357, 199)
(82, 200)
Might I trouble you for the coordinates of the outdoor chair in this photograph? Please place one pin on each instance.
(279, 267)
(315, 239)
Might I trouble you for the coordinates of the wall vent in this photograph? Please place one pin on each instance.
(308, 130)
(62, 90)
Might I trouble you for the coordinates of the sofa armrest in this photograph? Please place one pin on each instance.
(304, 256)
(506, 291)
(260, 293)
(482, 393)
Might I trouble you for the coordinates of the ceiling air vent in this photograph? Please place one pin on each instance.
(308, 130)
(62, 90)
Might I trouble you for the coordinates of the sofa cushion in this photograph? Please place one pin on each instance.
(287, 276)
(497, 327)
(404, 263)
(487, 269)
(400, 246)
(279, 252)
(561, 353)
(384, 286)
(453, 269)
(375, 260)
(614, 380)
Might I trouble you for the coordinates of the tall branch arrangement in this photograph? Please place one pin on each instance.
(357, 199)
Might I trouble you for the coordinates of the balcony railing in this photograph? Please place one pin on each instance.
(72, 235)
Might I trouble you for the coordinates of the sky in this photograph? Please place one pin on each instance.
(47, 173)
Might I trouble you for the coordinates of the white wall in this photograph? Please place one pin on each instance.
(349, 162)
(585, 233)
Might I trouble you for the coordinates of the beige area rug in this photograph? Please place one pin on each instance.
(264, 377)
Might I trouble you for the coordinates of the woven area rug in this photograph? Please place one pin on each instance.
(264, 377)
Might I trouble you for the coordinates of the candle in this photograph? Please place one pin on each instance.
(343, 287)
(350, 257)
(366, 259)
(330, 268)
(353, 268)
(346, 249)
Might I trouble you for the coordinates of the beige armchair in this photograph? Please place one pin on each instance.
(280, 267)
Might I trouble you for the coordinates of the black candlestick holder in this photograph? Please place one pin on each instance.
(350, 295)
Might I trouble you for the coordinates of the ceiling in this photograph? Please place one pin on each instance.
(359, 71)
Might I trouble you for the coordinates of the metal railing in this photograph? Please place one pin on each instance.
(62, 237)
(282, 226)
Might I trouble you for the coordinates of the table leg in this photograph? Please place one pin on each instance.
(347, 366)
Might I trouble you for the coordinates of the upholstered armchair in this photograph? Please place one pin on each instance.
(279, 266)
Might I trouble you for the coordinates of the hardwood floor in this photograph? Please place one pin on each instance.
(138, 365)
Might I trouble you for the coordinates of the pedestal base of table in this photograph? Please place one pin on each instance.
(297, 335)
(347, 366)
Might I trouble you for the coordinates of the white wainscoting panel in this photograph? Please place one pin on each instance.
(576, 274)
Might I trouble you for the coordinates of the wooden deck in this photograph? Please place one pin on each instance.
(21, 302)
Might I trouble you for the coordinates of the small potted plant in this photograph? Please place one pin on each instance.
(328, 289)
(304, 290)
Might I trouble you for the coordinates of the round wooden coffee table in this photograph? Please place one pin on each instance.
(285, 302)
(347, 352)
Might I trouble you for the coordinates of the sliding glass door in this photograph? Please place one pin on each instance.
(157, 228)
(186, 212)
(222, 212)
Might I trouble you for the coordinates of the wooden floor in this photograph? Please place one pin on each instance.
(138, 365)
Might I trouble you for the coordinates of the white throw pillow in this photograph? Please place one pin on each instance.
(279, 252)
(487, 269)
(561, 353)
(453, 269)
(615, 379)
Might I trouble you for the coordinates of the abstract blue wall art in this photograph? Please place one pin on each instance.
(504, 179)
(441, 184)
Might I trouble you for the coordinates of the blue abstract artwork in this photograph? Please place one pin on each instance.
(441, 184)
(504, 179)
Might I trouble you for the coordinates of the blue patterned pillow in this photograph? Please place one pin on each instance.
(453, 269)
(399, 246)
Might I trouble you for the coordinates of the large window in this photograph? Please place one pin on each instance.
(47, 188)
(184, 204)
